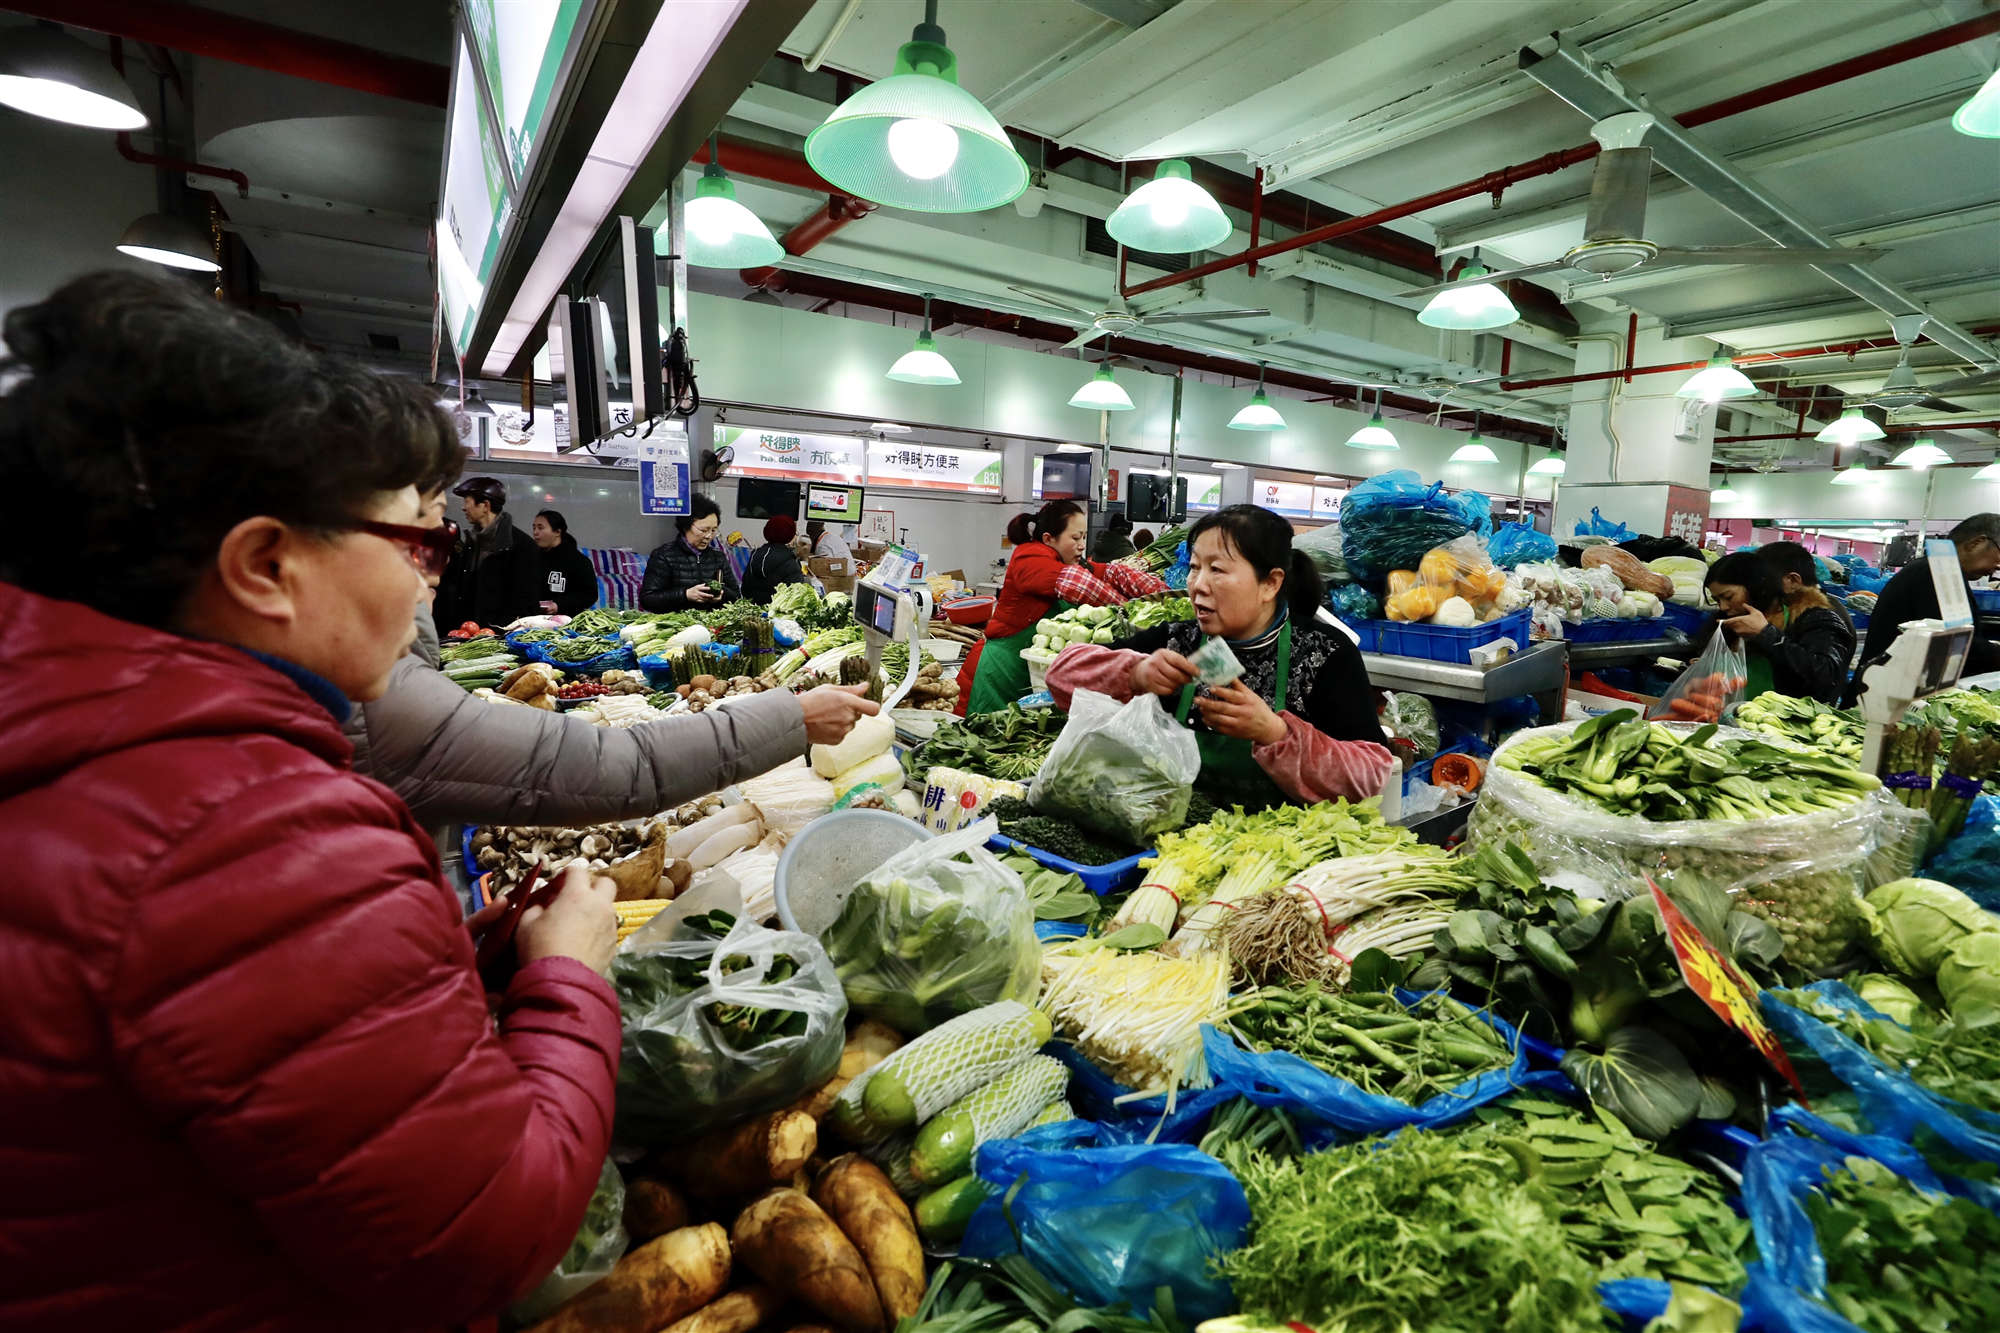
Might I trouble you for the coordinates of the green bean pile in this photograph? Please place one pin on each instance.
(1372, 1041)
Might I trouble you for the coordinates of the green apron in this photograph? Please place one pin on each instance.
(1758, 676)
(1229, 774)
(1001, 678)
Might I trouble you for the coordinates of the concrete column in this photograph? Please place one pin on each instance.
(1637, 454)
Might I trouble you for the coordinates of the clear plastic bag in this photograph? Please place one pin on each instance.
(1515, 544)
(1712, 684)
(1390, 521)
(1322, 547)
(1413, 718)
(1112, 1222)
(1805, 874)
(1123, 770)
(600, 1243)
(939, 929)
(687, 1065)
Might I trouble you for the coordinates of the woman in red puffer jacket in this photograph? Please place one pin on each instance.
(249, 1079)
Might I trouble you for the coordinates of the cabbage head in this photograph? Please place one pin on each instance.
(1969, 979)
(1915, 923)
(1887, 996)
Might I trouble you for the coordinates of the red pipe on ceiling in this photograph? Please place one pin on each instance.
(1747, 359)
(820, 224)
(782, 166)
(241, 41)
(130, 153)
(1494, 182)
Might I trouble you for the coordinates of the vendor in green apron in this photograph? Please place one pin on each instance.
(1300, 724)
(1046, 574)
(1794, 640)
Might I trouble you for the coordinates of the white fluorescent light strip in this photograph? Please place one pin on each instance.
(684, 38)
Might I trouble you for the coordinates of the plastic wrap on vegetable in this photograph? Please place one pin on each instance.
(1515, 544)
(1111, 1224)
(1123, 770)
(1354, 603)
(1322, 547)
(722, 1019)
(939, 929)
(1712, 683)
(1802, 872)
(1412, 717)
(600, 1242)
(1390, 521)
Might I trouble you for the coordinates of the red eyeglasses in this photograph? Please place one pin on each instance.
(429, 548)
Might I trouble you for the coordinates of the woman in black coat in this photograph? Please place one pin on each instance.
(1797, 645)
(775, 563)
(569, 582)
(683, 574)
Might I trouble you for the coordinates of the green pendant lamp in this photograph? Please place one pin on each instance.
(916, 139)
(1480, 306)
(1169, 215)
(1980, 116)
(1850, 427)
(924, 364)
(1374, 435)
(1101, 393)
(1723, 492)
(1857, 474)
(1550, 464)
(1922, 454)
(1718, 381)
(1475, 449)
(722, 233)
(1257, 414)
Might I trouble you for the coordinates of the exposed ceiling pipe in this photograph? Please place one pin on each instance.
(1494, 182)
(768, 162)
(131, 153)
(1915, 428)
(241, 41)
(1747, 359)
(820, 224)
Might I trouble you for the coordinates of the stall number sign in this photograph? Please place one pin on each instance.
(932, 468)
(1726, 991)
(793, 457)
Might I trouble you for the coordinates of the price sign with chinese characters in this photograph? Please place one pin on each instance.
(930, 467)
(1716, 981)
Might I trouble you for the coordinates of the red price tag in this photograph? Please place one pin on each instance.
(1722, 987)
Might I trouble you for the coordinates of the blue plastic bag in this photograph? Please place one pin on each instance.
(1597, 525)
(1391, 520)
(1112, 1222)
(1354, 603)
(1515, 544)
(1971, 861)
(1177, 573)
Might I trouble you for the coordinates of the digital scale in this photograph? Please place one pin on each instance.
(894, 603)
(1925, 659)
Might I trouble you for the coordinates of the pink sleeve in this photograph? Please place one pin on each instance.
(1090, 666)
(1133, 581)
(1312, 766)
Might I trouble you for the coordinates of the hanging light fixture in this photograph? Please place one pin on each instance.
(173, 241)
(1850, 427)
(1482, 306)
(1550, 464)
(1924, 453)
(916, 139)
(1718, 380)
(1169, 214)
(1980, 116)
(1374, 435)
(1101, 393)
(1991, 472)
(924, 364)
(1723, 492)
(46, 72)
(722, 233)
(1857, 474)
(1475, 449)
(1257, 414)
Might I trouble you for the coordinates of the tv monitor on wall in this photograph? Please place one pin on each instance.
(833, 504)
(760, 497)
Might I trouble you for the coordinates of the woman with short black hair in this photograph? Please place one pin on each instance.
(1300, 724)
(569, 581)
(692, 570)
(246, 1048)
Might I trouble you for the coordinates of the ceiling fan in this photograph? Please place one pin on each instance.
(1118, 318)
(1901, 390)
(1614, 240)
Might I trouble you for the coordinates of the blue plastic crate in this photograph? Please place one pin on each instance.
(1098, 879)
(1368, 633)
(1614, 630)
(1447, 643)
(1687, 619)
(1986, 601)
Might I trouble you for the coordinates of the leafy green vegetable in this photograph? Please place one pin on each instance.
(1056, 895)
(1888, 996)
(1913, 924)
(1640, 1077)
(1900, 1260)
(1109, 773)
(1010, 1295)
(1058, 837)
(1969, 980)
(1010, 743)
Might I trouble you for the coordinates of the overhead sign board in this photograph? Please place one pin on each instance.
(790, 456)
(521, 45)
(931, 467)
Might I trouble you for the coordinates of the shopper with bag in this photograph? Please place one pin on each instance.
(249, 1074)
(1912, 595)
(1045, 574)
(1300, 722)
(1795, 642)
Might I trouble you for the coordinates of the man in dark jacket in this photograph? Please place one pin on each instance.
(1796, 570)
(1115, 542)
(495, 577)
(773, 564)
(1912, 596)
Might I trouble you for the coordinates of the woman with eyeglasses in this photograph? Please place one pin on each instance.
(246, 1049)
(692, 570)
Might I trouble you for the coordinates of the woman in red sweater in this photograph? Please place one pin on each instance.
(1046, 569)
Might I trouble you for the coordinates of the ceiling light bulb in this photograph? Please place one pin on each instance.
(1257, 414)
(1474, 450)
(1856, 475)
(162, 238)
(1550, 464)
(722, 233)
(1169, 214)
(1717, 381)
(1991, 472)
(1923, 454)
(1850, 427)
(1101, 393)
(1374, 435)
(50, 74)
(1980, 116)
(1483, 306)
(923, 364)
(1722, 494)
(923, 149)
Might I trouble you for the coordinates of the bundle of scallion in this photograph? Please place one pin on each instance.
(1136, 1015)
(1313, 927)
(1270, 847)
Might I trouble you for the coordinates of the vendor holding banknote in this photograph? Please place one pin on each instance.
(1278, 700)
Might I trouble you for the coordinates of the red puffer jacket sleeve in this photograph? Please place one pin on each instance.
(295, 1000)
